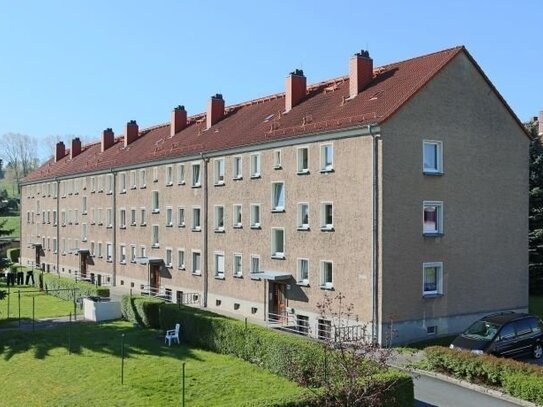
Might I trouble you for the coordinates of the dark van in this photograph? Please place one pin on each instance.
(505, 334)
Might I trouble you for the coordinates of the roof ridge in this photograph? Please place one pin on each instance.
(443, 51)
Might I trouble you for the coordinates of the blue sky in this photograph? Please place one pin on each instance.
(76, 67)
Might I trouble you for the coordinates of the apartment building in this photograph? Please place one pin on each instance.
(403, 187)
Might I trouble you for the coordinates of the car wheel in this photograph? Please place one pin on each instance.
(538, 351)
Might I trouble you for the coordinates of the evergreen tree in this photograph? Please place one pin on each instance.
(536, 211)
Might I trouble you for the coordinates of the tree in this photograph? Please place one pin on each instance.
(353, 360)
(536, 211)
(19, 151)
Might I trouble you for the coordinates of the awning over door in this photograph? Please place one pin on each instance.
(271, 275)
(149, 260)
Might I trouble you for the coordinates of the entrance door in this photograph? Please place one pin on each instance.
(83, 265)
(278, 303)
(154, 278)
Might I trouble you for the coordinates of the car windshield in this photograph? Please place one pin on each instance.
(482, 330)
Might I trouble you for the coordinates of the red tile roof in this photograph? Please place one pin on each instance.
(261, 120)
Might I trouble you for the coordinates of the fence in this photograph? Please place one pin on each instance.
(167, 295)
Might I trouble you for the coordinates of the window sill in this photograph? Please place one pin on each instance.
(221, 230)
(326, 287)
(169, 266)
(433, 173)
(255, 277)
(302, 172)
(437, 234)
(123, 191)
(278, 256)
(431, 296)
(122, 262)
(278, 210)
(122, 227)
(256, 227)
(198, 229)
(303, 228)
(219, 184)
(143, 187)
(82, 213)
(237, 227)
(169, 184)
(303, 284)
(133, 224)
(133, 187)
(100, 223)
(219, 277)
(181, 226)
(255, 176)
(326, 171)
(155, 246)
(109, 193)
(181, 183)
(277, 167)
(155, 211)
(237, 178)
(238, 275)
(143, 224)
(169, 225)
(109, 261)
(109, 227)
(327, 228)
(196, 273)
(196, 186)
(181, 268)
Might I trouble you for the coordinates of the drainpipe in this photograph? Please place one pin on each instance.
(206, 224)
(114, 220)
(375, 235)
(58, 224)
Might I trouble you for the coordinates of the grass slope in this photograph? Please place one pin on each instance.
(41, 371)
(12, 223)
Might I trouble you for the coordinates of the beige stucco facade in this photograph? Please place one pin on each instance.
(483, 248)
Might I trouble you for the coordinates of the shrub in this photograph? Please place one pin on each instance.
(299, 359)
(525, 387)
(66, 286)
(14, 254)
(489, 370)
(141, 310)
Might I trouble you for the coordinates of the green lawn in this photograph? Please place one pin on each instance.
(37, 369)
(44, 305)
(12, 223)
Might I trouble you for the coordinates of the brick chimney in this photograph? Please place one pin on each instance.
(76, 147)
(215, 110)
(60, 151)
(108, 139)
(131, 133)
(360, 72)
(179, 120)
(296, 88)
(540, 121)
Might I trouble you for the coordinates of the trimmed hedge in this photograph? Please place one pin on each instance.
(141, 310)
(53, 282)
(297, 358)
(517, 378)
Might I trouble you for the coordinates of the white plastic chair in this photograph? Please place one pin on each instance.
(172, 334)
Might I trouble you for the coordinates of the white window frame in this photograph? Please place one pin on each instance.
(327, 285)
(255, 165)
(275, 252)
(275, 204)
(109, 178)
(439, 279)
(196, 271)
(218, 227)
(122, 218)
(143, 178)
(180, 174)
(155, 174)
(133, 180)
(181, 256)
(238, 273)
(109, 252)
(109, 217)
(254, 223)
(439, 207)
(196, 183)
(133, 253)
(218, 274)
(168, 253)
(325, 167)
(251, 268)
(277, 159)
(122, 253)
(169, 175)
(169, 216)
(237, 212)
(300, 168)
(143, 216)
(155, 238)
(122, 183)
(218, 171)
(133, 217)
(180, 217)
(237, 171)
(196, 227)
(155, 202)
(438, 170)
(326, 226)
(301, 223)
(299, 278)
